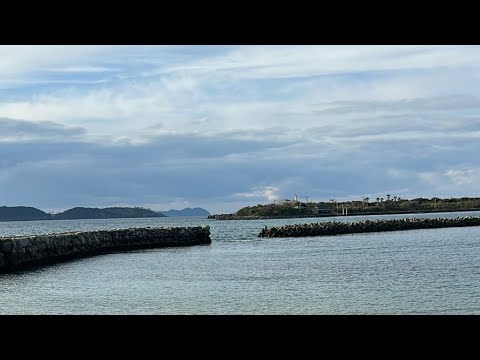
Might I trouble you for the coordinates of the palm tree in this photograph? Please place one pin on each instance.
(388, 197)
(394, 198)
(378, 199)
(365, 202)
(333, 201)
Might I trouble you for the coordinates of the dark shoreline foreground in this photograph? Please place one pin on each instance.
(366, 226)
(18, 253)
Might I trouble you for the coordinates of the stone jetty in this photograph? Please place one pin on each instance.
(17, 253)
(366, 226)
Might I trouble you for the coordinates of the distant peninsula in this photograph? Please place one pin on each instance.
(24, 213)
(380, 206)
(186, 212)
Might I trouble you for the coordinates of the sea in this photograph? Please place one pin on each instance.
(428, 271)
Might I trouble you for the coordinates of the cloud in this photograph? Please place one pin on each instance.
(307, 61)
(462, 180)
(138, 125)
(463, 177)
(361, 88)
(270, 193)
(442, 103)
(20, 130)
(223, 172)
(82, 69)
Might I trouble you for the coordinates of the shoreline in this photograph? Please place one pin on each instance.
(224, 217)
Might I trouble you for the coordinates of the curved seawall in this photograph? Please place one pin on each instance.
(23, 252)
(337, 228)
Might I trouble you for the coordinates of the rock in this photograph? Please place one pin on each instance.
(24, 242)
(6, 246)
(335, 228)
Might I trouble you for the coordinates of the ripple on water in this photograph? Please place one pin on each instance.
(407, 272)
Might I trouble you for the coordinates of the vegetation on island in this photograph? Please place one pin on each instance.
(365, 206)
(22, 213)
(107, 213)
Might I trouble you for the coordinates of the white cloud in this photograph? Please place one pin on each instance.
(463, 177)
(292, 61)
(270, 193)
(181, 95)
(463, 180)
(82, 69)
(21, 61)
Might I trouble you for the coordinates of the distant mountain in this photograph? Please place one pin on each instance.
(22, 213)
(185, 212)
(107, 213)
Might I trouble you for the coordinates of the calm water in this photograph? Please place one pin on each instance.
(435, 271)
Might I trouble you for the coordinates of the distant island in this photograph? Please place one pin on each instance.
(107, 213)
(389, 205)
(185, 212)
(24, 213)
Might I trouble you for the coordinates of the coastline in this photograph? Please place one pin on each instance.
(223, 217)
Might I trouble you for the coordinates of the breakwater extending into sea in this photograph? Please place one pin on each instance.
(17, 253)
(366, 226)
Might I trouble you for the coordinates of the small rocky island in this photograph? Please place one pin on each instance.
(366, 226)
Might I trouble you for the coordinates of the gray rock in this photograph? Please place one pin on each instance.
(24, 242)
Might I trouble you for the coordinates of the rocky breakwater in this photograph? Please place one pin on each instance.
(23, 252)
(364, 226)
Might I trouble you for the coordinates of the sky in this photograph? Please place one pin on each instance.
(223, 127)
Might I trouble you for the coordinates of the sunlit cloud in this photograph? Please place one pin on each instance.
(270, 193)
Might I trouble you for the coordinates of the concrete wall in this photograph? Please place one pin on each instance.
(23, 252)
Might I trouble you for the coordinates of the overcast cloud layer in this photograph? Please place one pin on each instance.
(222, 127)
